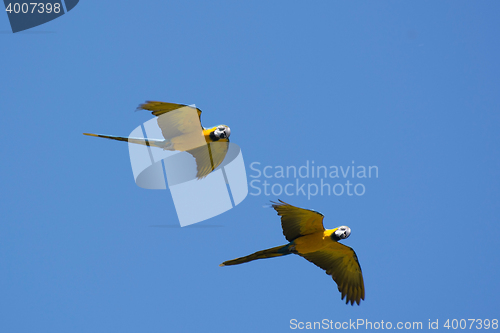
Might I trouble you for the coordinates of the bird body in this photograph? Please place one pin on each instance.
(314, 242)
(307, 238)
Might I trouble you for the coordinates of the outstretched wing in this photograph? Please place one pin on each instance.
(208, 157)
(297, 221)
(342, 264)
(159, 108)
(175, 120)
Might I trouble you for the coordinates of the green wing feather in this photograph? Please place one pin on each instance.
(209, 157)
(297, 221)
(341, 262)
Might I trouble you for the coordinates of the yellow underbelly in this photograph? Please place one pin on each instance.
(206, 134)
(190, 141)
(313, 242)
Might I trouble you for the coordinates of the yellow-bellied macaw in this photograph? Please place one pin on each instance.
(303, 228)
(182, 131)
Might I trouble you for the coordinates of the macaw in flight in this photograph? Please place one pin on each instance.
(182, 131)
(307, 237)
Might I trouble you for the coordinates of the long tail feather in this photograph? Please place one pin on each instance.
(140, 141)
(269, 253)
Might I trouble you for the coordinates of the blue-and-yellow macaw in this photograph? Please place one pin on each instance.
(303, 228)
(182, 131)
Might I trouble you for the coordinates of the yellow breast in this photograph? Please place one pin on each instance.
(313, 242)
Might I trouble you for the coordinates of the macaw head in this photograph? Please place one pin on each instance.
(342, 232)
(222, 132)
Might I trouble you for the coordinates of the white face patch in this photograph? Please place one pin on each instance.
(222, 132)
(343, 232)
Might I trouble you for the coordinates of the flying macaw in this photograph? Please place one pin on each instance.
(303, 228)
(182, 131)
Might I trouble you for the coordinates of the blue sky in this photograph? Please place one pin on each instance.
(409, 87)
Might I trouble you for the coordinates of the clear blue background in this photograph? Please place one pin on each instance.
(411, 87)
